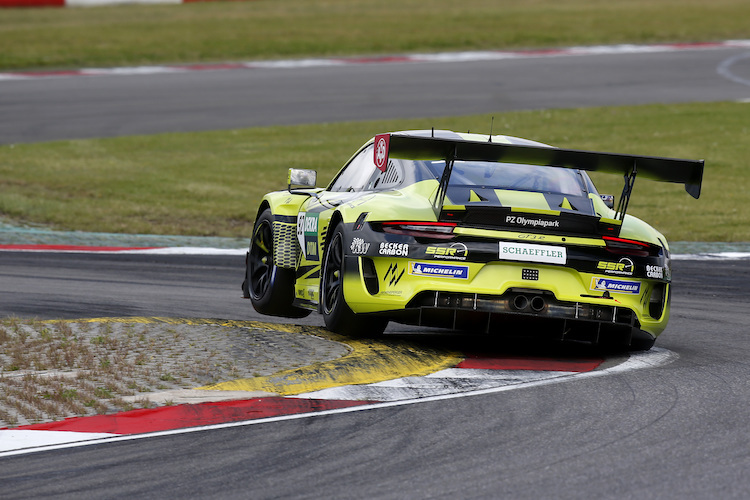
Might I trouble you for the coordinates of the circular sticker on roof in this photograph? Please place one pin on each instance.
(381, 151)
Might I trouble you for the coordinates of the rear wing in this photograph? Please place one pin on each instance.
(417, 147)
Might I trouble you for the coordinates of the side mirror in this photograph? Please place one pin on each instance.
(609, 200)
(301, 178)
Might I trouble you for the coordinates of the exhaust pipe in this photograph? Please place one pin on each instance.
(520, 302)
(537, 303)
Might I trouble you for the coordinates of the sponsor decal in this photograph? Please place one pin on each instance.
(381, 151)
(623, 268)
(656, 272)
(393, 275)
(518, 220)
(438, 270)
(394, 249)
(307, 234)
(359, 246)
(528, 252)
(456, 251)
(531, 237)
(616, 286)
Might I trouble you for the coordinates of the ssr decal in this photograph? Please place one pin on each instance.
(528, 252)
(627, 287)
(394, 249)
(359, 246)
(656, 272)
(307, 234)
(456, 251)
(438, 270)
(624, 268)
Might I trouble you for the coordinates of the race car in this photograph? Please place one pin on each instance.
(477, 233)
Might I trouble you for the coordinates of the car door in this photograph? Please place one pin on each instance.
(353, 181)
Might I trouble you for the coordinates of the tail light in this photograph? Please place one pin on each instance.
(437, 230)
(629, 247)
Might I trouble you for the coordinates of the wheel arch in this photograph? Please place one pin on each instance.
(336, 219)
(264, 205)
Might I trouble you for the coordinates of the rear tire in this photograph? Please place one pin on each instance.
(269, 287)
(337, 314)
(641, 343)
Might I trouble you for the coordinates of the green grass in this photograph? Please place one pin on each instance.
(263, 29)
(210, 183)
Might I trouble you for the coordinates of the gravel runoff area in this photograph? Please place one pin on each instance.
(50, 370)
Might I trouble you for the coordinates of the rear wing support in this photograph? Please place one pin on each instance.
(627, 190)
(437, 205)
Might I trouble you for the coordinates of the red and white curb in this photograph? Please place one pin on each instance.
(473, 377)
(442, 57)
(123, 250)
(473, 374)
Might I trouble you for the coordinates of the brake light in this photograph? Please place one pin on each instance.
(438, 230)
(627, 247)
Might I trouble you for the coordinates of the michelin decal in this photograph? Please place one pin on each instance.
(438, 270)
(627, 287)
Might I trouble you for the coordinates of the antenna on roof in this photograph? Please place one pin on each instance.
(492, 124)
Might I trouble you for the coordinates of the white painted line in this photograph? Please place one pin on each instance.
(243, 251)
(725, 69)
(188, 251)
(713, 256)
(11, 439)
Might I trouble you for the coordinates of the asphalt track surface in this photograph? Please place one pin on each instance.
(43, 109)
(676, 431)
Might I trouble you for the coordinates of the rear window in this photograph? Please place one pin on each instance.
(513, 176)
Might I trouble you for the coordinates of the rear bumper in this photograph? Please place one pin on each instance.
(499, 297)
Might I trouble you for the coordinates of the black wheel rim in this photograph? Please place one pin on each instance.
(332, 275)
(260, 264)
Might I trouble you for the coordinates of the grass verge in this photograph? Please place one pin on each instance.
(209, 184)
(221, 31)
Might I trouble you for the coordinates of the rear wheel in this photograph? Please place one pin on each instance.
(642, 343)
(337, 314)
(269, 287)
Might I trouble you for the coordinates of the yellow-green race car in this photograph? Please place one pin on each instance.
(479, 233)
